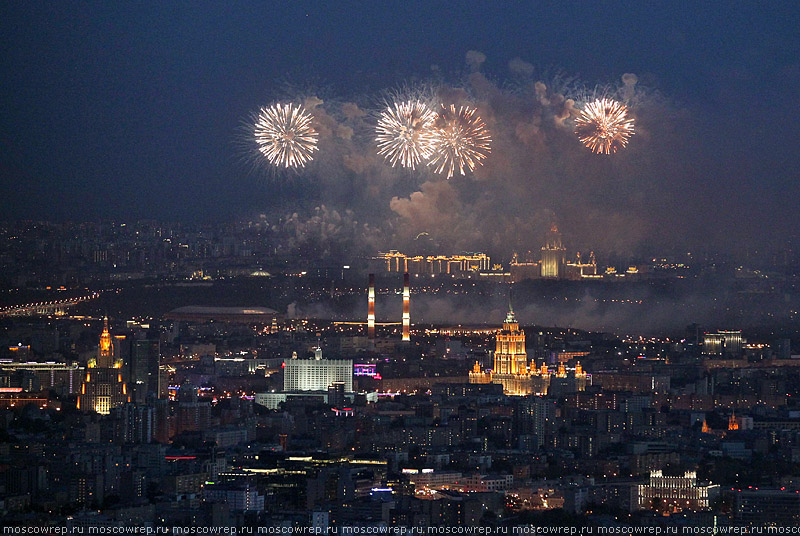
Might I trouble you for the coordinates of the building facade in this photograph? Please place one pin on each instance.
(513, 371)
(672, 494)
(317, 374)
(553, 255)
(103, 388)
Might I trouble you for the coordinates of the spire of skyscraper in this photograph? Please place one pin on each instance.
(510, 316)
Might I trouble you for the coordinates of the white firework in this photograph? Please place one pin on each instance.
(285, 136)
(405, 133)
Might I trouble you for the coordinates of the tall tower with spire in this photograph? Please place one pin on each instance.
(103, 388)
(553, 255)
(509, 355)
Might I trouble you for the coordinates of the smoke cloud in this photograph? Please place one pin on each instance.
(518, 66)
(475, 59)
(626, 204)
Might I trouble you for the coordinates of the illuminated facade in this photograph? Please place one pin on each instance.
(723, 342)
(64, 378)
(580, 269)
(672, 494)
(524, 269)
(395, 261)
(512, 369)
(553, 255)
(553, 263)
(733, 424)
(103, 388)
(510, 356)
(317, 374)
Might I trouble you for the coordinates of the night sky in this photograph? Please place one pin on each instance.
(116, 110)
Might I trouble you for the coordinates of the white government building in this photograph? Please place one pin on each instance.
(310, 377)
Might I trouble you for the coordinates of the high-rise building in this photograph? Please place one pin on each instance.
(532, 416)
(336, 394)
(516, 375)
(511, 361)
(522, 269)
(317, 374)
(103, 388)
(510, 356)
(553, 255)
(580, 269)
(136, 423)
(144, 359)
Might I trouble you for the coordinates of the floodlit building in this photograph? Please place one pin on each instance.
(65, 378)
(581, 269)
(723, 342)
(513, 371)
(329, 380)
(672, 494)
(394, 261)
(103, 388)
(317, 374)
(553, 255)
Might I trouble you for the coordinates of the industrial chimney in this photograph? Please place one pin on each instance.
(406, 314)
(371, 311)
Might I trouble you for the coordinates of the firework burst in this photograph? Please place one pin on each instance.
(461, 140)
(285, 136)
(405, 133)
(603, 126)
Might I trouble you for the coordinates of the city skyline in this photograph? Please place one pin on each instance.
(399, 267)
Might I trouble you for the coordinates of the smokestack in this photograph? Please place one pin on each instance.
(371, 310)
(406, 314)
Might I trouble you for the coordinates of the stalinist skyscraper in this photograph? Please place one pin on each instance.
(553, 255)
(509, 354)
(511, 367)
(511, 361)
(103, 388)
(514, 373)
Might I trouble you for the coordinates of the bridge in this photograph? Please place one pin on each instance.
(46, 308)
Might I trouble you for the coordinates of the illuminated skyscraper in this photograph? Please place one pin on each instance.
(516, 375)
(103, 388)
(509, 355)
(511, 361)
(553, 255)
